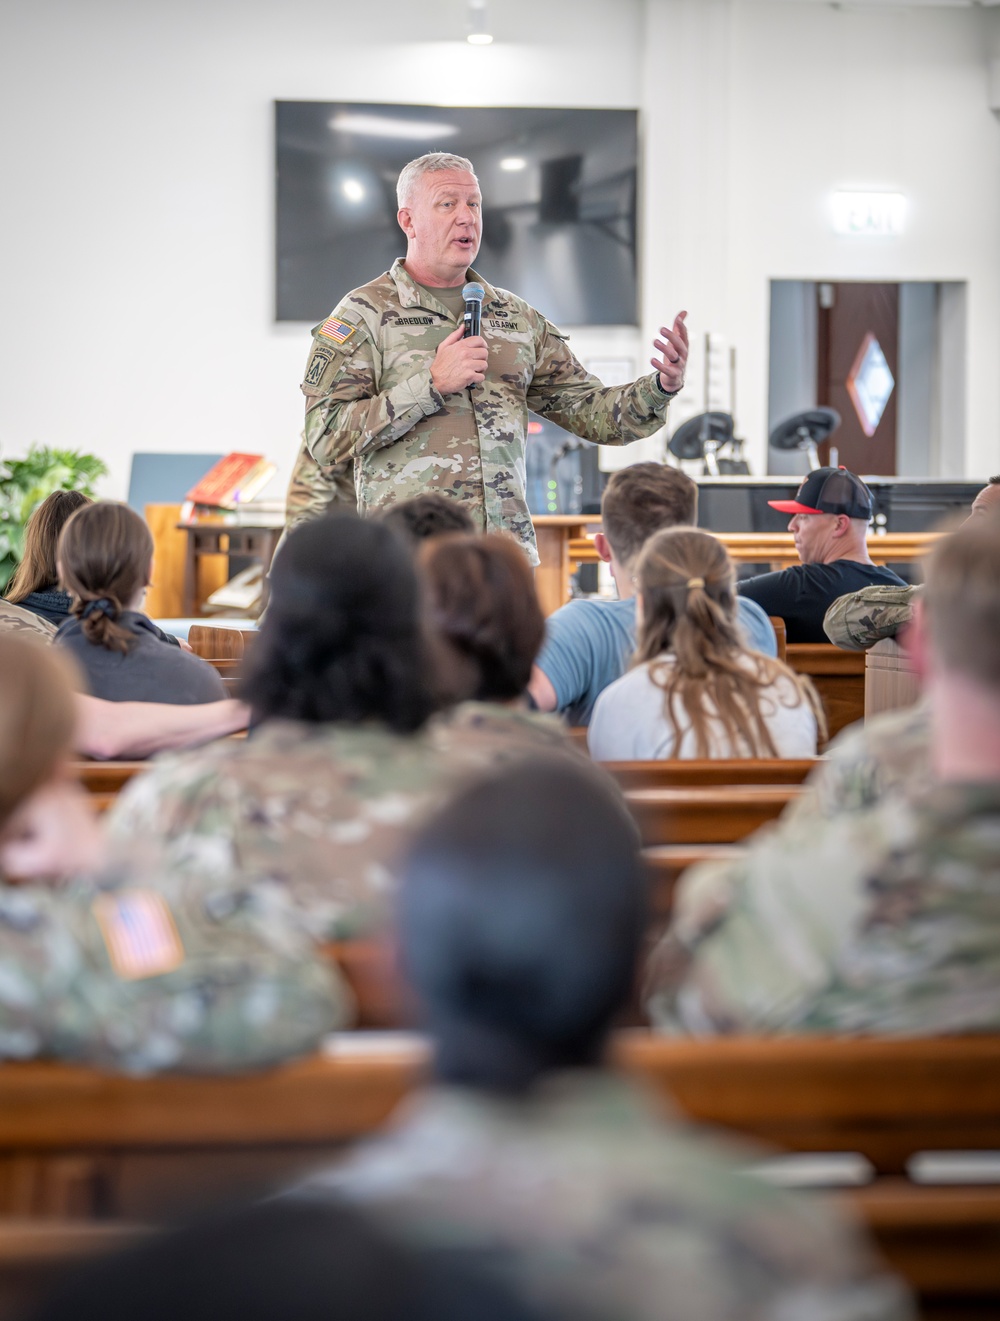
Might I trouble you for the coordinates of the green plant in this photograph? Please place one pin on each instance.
(25, 483)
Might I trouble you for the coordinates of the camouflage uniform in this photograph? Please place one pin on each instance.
(884, 920)
(602, 1211)
(25, 623)
(887, 756)
(318, 812)
(159, 973)
(487, 734)
(312, 492)
(369, 394)
(860, 619)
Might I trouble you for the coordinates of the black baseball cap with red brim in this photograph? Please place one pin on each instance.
(829, 491)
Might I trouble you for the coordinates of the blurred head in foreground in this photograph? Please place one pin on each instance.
(343, 638)
(46, 823)
(283, 1261)
(961, 608)
(521, 911)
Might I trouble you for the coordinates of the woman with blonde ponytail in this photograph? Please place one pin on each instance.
(694, 689)
(105, 557)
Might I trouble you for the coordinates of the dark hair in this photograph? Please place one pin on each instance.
(521, 911)
(37, 569)
(962, 601)
(343, 638)
(642, 499)
(688, 589)
(483, 605)
(298, 1259)
(429, 515)
(104, 554)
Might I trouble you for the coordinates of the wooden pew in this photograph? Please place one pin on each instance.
(133, 1144)
(696, 773)
(837, 675)
(215, 643)
(706, 815)
(104, 780)
(891, 678)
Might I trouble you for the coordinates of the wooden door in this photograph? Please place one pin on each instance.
(856, 320)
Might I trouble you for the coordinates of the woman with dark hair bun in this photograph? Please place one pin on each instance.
(34, 584)
(486, 618)
(323, 796)
(105, 558)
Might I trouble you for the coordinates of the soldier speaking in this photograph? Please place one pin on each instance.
(394, 382)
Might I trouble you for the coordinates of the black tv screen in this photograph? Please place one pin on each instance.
(559, 202)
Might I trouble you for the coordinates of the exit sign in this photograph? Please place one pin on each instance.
(878, 215)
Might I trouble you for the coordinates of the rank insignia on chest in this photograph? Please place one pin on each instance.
(139, 933)
(339, 331)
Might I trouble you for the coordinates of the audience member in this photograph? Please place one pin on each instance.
(105, 556)
(15, 619)
(882, 919)
(120, 965)
(34, 583)
(860, 619)
(588, 642)
(830, 516)
(428, 515)
(696, 690)
(322, 796)
(135, 730)
(281, 1261)
(522, 909)
(484, 611)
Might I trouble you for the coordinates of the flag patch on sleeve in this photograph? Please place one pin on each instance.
(139, 932)
(339, 331)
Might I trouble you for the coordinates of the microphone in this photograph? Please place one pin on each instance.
(473, 316)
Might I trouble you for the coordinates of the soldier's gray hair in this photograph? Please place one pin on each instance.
(427, 164)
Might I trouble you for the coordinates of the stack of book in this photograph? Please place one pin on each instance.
(225, 494)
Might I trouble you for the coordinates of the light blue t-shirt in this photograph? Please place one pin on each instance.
(588, 645)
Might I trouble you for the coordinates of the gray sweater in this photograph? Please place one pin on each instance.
(151, 671)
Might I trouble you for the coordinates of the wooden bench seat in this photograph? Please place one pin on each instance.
(81, 1143)
(697, 773)
(706, 815)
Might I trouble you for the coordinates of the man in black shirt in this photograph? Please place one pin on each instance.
(831, 512)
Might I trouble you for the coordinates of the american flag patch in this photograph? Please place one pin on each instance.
(339, 331)
(140, 934)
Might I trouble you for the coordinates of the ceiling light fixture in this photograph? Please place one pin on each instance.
(479, 33)
(513, 163)
(379, 126)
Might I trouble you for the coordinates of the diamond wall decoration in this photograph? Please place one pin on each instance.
(870, 383)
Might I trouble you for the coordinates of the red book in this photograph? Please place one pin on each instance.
(232, 481)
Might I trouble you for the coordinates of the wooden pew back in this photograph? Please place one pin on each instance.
(837, 675)
(80, 1143)
(706, 815)
(708, 772)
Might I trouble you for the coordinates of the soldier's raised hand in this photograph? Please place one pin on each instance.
(459, 362)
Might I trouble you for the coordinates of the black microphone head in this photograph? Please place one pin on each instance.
(473, 292)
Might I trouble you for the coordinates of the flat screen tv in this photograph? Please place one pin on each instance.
(559, 202)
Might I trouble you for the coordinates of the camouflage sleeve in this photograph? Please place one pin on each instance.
(566, 393)
(160, 974)
(346, 414)
(753, 943)
(313, 490)
(860, 619)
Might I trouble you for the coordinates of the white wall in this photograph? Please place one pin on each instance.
(136, 227)
(766, 108)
